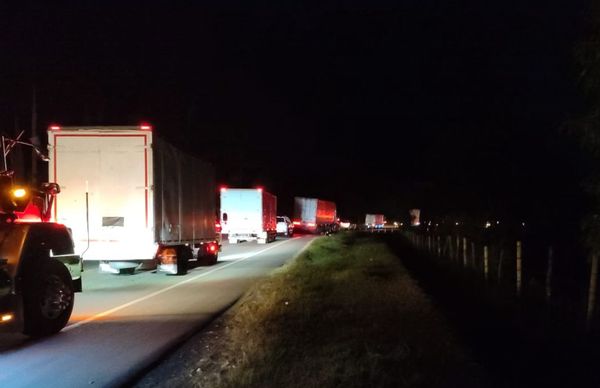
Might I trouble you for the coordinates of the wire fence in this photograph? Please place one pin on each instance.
(559, 278)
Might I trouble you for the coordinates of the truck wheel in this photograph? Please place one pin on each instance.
(48, 298)
(214, 258)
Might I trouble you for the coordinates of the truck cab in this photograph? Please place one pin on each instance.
(39, 275)
(39, 272)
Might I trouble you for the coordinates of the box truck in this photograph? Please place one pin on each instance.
(374, 220)
(133, 200)
(313, 215)
(248, 214)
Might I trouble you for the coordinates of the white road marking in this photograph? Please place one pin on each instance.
(151, 295)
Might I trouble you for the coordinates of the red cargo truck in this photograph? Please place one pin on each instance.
(313, 215)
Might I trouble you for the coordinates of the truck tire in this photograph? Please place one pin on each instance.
(208, 259)
(48, 298)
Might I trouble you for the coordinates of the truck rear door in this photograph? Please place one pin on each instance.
(112, 168)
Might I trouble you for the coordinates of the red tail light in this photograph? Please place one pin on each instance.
(311, 224)
(145, 127)
(296, 222)
(55, 128)
(218, 227)
(211, 247)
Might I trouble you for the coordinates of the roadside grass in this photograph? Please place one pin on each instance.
(344, 313)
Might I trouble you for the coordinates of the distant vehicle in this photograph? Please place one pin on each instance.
(313, 215)
(347, 225)
(374, 220)
(415, 217)
(248, 214)
(285, 226)
(133, 200)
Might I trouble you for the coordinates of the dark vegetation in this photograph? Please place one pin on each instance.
(521, 341)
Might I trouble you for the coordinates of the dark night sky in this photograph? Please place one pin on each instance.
(378, 105)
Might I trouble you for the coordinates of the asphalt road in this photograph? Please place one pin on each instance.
(123, 323)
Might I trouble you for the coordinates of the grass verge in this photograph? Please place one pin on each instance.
(344, 313)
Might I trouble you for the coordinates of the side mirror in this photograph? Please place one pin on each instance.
(50, 188)
(225, 217)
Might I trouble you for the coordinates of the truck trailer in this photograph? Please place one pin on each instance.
(248, 214)
(374, 220)
(313, 215)
(132, 200)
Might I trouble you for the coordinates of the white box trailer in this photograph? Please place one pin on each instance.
(248, 214)
(131, 198)
(374, 220)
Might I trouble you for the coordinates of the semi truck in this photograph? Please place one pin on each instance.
(39, 272)
(248, 214)
(313, 215)
(132, 200)
(374, 220)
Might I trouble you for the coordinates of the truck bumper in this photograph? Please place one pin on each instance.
(74, 264)
(119, 267)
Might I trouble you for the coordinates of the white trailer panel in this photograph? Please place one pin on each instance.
(248, 214)
(105, 178)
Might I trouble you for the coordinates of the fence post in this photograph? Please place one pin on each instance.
(592, 292)
(485, 262)
(464, 251)
(519, 268)
(457, 247)
(439, 247)
(549, 275)
(500, 259)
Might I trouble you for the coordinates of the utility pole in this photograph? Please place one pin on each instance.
(34, 137)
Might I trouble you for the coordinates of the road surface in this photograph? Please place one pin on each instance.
(123, 323)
